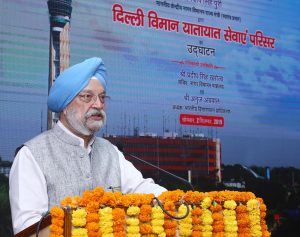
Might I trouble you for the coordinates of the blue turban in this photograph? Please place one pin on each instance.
(73, 80)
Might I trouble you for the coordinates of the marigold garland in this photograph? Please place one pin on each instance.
(57, 221)
(230, 222)
(157, 221)
(106, 221)
(92, 218)
(133, 228)
(212, 214)
(254, 216)
(119, 222)
(185, 225)
(145, 218)
(170, 224)
(243, 221)
(218, 219)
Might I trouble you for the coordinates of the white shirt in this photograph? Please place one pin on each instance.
(28, 188)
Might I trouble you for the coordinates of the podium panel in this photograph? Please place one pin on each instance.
(44, 227)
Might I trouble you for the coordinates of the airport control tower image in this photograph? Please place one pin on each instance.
(59, 47)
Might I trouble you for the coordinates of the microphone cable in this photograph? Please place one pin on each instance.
(40, 222)
(160, 169)
(169, 214)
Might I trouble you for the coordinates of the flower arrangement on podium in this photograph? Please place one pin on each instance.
(174, 213)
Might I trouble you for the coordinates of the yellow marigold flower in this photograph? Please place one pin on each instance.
(79, 232)
(105, 223)
(79, 213)
(78, 222)
(106, 218)
(134, 235)
(230, 218)
(185, 231)
(252, 204)
(157, 229)
(156, 209)
(163, 234)
(185, 225)
(106, 211)
(133, 229)
(206, 202)
(208, 220)
(158, 215)
(132, 221)
(106, 229)
(207, 228)
(206, 212)
(157, 222)
(108, 235)
(133, 210)
(231, 235)
(182, 209)
(230, 228)
(207, 234)
(256, 233)
(230, 204)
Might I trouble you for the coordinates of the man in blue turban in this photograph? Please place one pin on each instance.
(69, 159)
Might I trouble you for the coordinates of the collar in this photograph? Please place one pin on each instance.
(79, 139)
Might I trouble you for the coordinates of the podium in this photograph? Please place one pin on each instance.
(174, 213)
(43, 226)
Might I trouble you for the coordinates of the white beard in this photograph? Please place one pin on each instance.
(85, 127)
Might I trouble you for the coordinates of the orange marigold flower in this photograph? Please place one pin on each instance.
(118, 213)
(56, 230)
(241, 209)
(55, 235)
(145, 213)
(92, 217)
(66, 201)
(197, 227)
(94, 234)
(145, 229)
(219, 234)
(244, 234)
(168, 224)
(120, 234)
(170, 232)
(169, 206)
(92, 207)
(215, 207)
(92, 226)
(57, 212)
(86, 198)
(118, 228)
(57, 222)
(196, 233)
(196, 220)
(218, 227)
(197, 211)
(217, 216)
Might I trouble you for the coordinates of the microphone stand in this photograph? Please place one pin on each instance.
(160, 169)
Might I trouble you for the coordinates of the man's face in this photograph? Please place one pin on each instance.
(85, 114)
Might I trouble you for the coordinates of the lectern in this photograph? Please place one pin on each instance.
(43, 227)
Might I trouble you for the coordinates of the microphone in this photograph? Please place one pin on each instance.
(120, 147)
